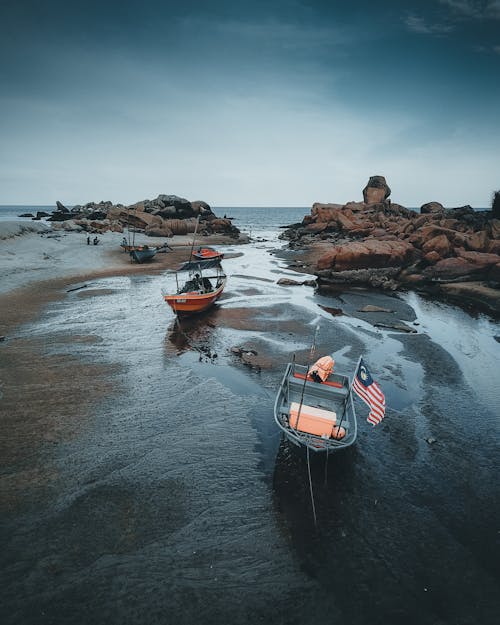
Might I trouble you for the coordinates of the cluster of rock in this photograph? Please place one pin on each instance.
(378, 243)
(162, 217)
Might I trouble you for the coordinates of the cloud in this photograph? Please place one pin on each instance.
(418, 25)
(474, 9)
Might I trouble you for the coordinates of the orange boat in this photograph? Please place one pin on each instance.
(207, 253)
(198, 293)
(192, 302)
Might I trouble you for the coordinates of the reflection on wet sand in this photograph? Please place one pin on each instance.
(191, 332)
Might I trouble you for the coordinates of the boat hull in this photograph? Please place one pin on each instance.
(208, 254)
(143, 256)
(317, 416)
(192, 303)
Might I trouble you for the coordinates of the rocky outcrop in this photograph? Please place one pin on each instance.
(432, 207)
(166, 215)
(381, 244)
(376, 190)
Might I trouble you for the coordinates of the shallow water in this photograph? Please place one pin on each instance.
(175, 500)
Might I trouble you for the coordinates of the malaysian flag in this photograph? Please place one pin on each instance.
(369, 391)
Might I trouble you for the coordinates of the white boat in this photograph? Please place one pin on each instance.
(319, 416)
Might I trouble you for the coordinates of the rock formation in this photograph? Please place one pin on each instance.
(378, 243)
(166, 215)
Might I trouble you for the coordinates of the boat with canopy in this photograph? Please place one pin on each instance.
(205, 284)
(199, 291)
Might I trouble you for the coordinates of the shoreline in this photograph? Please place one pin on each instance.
(40, 266)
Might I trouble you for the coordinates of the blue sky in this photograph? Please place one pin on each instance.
(249, 103)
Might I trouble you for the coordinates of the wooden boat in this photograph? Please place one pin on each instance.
(199, 292)
(143, 255)
(207, 253)
(164, 247)
(319, 416)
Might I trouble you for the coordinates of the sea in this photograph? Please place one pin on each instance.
(253, 220)
(168, 495)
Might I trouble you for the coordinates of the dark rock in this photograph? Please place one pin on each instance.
(98, 215)
(495, 205)
(41, 214)
(26, 215)
(435, 208)
(288, 282)
(61, 208)
(180, 203)
(335, 312)
(168, 212)
(200, 208)
(60, 216)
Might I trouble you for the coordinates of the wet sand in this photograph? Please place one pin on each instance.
(144, 479)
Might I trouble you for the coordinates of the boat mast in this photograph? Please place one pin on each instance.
(309, 363)
(194, 237)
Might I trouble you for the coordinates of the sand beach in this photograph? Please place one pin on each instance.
(143, 475)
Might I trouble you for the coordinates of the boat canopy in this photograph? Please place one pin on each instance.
(199, 265)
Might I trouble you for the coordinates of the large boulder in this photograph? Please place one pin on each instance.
(181, 226)
(480, 259)
(439, 244)
(494, 228)
(371, 253)
(132, 218)
(158, 231)
(434, 208)
(180, 203)
(200, 208)
(325, 213)
(61, 208)
(452, 269)
(377, 190)
(478, 241)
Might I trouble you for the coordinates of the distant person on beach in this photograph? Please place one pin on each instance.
(88, 240)
(96, 240)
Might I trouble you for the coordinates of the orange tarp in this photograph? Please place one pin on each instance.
(312, 420)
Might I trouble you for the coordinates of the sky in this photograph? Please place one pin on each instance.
(258, 103)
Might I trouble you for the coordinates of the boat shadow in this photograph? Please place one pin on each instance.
(333, 479)
(192, 333)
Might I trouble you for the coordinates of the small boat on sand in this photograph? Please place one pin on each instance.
(319, 416)
(200, 291)
(143, 254)
(207, 253)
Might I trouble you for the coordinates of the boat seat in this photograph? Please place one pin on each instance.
(302, 376)
(316, 389)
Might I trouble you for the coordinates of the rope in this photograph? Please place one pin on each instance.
(326, 467)
(311, 488)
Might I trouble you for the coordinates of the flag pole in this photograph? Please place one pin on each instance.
(349, 393)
